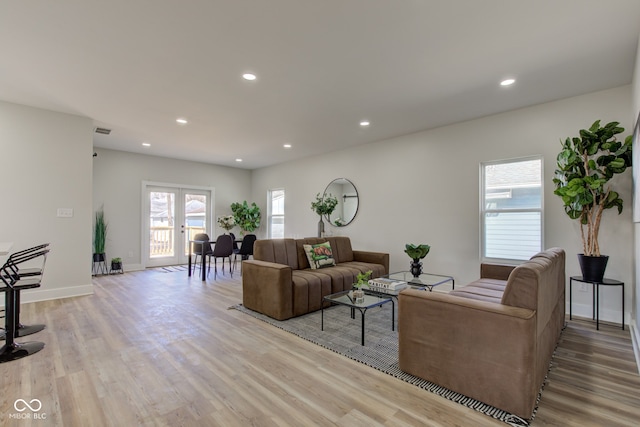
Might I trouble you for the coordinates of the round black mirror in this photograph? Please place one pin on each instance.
(347, 208)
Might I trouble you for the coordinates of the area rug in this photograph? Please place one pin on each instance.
(342, 335)
(172, 268)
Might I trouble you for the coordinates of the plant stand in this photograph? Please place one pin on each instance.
(99, 265)
(116, 268)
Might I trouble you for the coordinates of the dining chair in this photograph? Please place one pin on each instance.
(223, 248)
(246, 250)
(201, 249)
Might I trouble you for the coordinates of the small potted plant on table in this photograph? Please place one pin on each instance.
(362, 280)
(416, 253)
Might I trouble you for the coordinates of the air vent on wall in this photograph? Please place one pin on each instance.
(103, 131)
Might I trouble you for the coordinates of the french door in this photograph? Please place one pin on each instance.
(172, 216)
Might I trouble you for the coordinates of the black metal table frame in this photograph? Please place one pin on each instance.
(595, 296)
(362, 309)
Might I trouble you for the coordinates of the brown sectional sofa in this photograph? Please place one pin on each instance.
(491, 340)
(278, 282)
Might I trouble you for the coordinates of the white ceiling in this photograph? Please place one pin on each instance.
(135, 66)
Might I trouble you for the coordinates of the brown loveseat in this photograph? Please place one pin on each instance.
(279, 282)
(491, 340)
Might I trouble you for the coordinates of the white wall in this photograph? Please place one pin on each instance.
(46, 164)
(117, 183)
(635, 310)
(424, 188)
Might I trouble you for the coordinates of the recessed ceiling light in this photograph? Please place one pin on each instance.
(182, 121)
(238, 160)
(249, 76)
(364, 123)
(146, 144)
(507, 82)
(287, 145)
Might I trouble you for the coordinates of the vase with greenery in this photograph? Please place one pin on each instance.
(99, 236)
(416, 253)
(226, 222)
(324, 205)
(246, 216)
(362, 280)
(585, 167)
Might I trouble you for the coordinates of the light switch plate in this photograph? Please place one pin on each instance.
(65, 212)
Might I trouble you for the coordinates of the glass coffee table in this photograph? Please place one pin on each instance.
(426, 281)
(370, 301)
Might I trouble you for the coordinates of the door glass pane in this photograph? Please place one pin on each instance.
(195, 217)
(161, 224)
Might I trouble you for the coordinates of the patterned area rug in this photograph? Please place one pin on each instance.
(172, 268)
(342, 335)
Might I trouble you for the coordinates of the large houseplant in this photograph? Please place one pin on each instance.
(586, 166)
(246, 216)
(99, 236)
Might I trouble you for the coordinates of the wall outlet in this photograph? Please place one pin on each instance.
(130, 254)
(583, 287)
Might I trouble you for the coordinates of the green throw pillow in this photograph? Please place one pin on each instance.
(320, 255)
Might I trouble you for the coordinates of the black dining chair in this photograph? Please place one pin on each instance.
(246, 250)
(201, 249)
(235, 242)
(223, 248)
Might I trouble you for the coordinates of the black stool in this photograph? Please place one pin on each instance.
(12, 268)
(12, 285)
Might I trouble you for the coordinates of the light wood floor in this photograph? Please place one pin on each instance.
(161, 349)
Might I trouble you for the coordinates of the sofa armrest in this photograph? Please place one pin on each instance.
(267, 288)
(495, 271)
(373, 257)
(481, 349)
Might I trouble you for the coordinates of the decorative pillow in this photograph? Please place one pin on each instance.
(320, 255)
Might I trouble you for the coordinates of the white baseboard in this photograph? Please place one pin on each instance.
(42, 294)
(133, 267)
(611, 316)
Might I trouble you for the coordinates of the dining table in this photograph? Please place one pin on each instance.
(203, 264)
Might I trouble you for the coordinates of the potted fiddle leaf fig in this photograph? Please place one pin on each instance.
(585, 167)
(246, 216)
(416, 253)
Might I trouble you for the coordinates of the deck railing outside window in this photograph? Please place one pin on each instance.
(162, 240)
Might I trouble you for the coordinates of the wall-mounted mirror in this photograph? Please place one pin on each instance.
(347, 207)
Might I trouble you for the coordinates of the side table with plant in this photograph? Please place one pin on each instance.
(586, 166)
